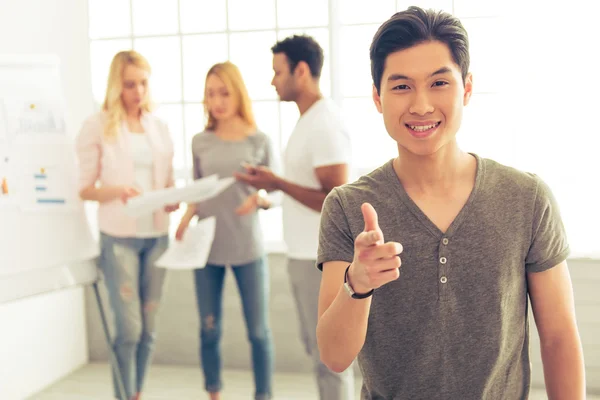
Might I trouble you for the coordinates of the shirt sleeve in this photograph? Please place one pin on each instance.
(330, 146)
(335, 237)
(549, 245)
(88, 148)
(196, 169)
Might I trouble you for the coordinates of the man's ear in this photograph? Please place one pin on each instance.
(302, 70)
(377, 99)
(468, 89)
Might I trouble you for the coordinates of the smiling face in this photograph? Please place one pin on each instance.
(422, 97)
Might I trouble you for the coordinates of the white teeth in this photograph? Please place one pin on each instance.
(422, 128)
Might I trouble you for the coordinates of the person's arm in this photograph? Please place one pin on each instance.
(190, 213)
(103, 194)
(342, 326)
(343, 320)
(329, 177)
(192, 209)
(330, 154)
(88, 148)
(551, 295)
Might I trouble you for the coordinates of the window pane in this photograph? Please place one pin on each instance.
(194, 123)
(200, 52)
(321, 35)
(356, 71)
(293, 13)
(371, 144)
(483, 130)
(289, 115)
(443, 5)
(202, 16)
(109, 18)
(172, 115)
(155, 17)
(267, 120)
(251, 52)
(101, 54)
(478, 8)
(487, 49)
(194, 120)
(164, 57)
(362, 12)
(251, 15)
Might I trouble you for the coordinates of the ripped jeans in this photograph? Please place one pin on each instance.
(253, 283)
(134, 289)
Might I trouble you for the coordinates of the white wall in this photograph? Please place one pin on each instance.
(43, 338)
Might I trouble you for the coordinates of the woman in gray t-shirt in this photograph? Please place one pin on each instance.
(229, 140)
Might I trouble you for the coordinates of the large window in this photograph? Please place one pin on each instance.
(183, 38)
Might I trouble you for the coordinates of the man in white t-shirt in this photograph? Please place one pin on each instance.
(316, 160)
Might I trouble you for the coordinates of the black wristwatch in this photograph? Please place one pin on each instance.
(351, 291)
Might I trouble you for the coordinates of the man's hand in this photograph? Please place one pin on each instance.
(375, 262)
(259, 176)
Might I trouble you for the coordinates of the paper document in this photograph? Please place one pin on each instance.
(193, 250)
(199, 190)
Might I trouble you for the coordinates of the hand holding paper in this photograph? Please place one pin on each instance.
(199, 190)
(192, 251)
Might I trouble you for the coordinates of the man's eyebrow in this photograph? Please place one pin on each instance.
(397, 77)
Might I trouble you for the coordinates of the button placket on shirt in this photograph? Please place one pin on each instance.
(443, 266)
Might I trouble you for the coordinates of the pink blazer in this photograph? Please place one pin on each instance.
(109, 162)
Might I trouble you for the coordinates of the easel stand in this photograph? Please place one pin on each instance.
(113, 357)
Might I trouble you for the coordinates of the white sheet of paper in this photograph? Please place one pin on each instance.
(193, 250)
(199, 190)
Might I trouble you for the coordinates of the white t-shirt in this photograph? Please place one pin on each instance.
(143, 165)
(318, 140)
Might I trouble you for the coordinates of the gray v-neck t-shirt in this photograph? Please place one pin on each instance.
(454, 325)
(238, 239)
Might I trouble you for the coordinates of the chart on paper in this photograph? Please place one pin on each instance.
(26, 116)
(47, 189)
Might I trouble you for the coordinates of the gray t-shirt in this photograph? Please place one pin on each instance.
(454, 325)
(238, 239)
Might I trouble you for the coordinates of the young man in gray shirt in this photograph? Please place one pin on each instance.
(476, 238)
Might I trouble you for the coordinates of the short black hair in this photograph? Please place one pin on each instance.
(301, 48)
(413, 26)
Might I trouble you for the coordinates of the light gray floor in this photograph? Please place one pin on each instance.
(92, 382)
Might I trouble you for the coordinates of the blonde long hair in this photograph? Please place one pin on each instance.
(232, 78)
(113, 104)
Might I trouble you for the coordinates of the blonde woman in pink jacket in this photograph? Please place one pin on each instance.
(125, 150)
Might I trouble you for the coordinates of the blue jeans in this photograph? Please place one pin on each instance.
(253, 283)
(135, 287)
